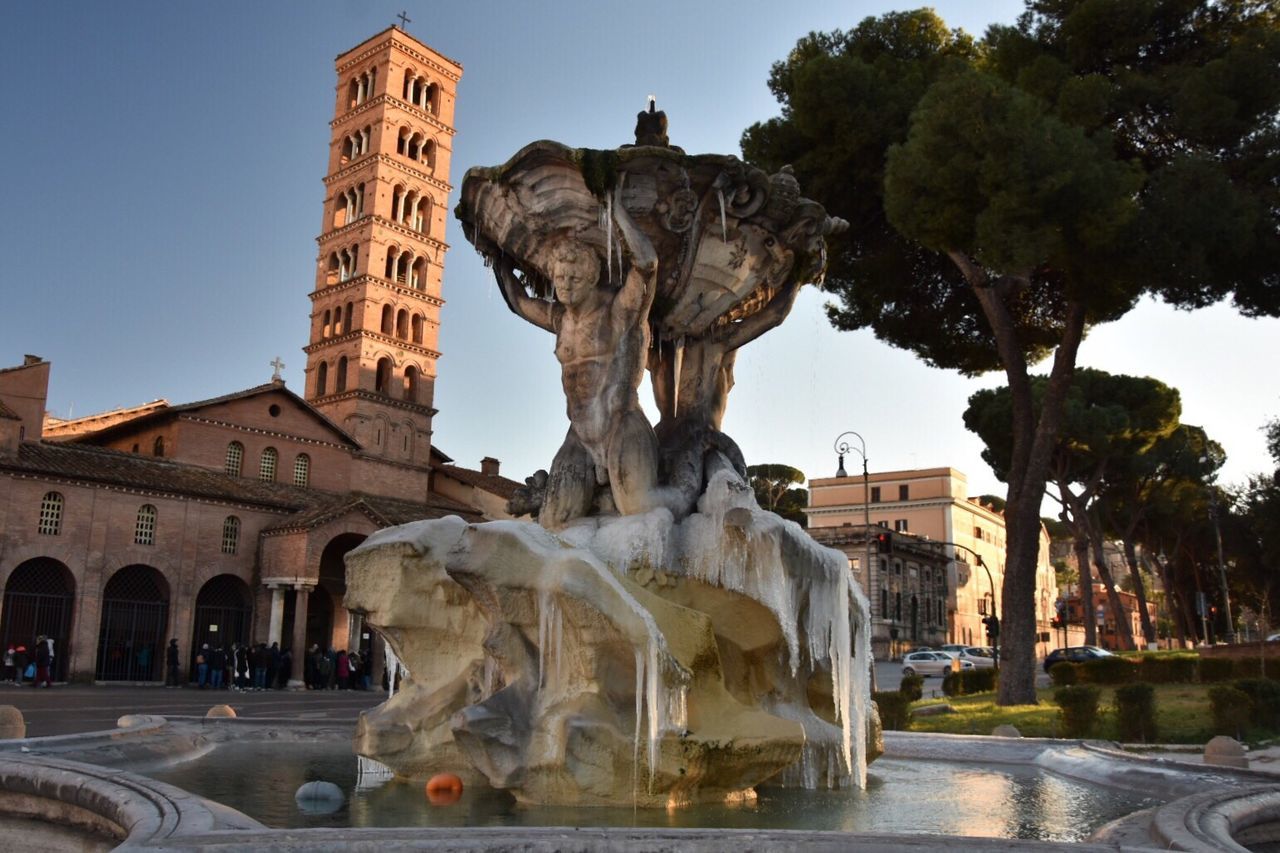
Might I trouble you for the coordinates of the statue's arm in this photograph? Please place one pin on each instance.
(742, 333)
(638, 290)
(518, 300)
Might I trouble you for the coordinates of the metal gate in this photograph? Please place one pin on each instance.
(223, 615)
(37, 601)
(135, 612)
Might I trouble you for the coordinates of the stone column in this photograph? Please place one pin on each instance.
(300, 650)
(277, 615)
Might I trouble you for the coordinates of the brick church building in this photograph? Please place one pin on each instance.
(226, 520)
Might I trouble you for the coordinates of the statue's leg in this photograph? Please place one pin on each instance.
(632, 459)
(571, 485)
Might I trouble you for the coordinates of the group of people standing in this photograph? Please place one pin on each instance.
(243, 667)
(342, 670)
(36, 665)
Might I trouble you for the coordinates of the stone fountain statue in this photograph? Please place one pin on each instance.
(655, 637)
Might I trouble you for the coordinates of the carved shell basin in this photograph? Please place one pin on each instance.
(727, 234)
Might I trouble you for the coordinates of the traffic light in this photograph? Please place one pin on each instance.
(993, 626)
(884, 543)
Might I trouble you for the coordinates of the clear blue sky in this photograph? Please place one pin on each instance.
(164, 163)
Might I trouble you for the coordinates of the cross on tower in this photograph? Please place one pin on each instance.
(404, 19)
(279, 366)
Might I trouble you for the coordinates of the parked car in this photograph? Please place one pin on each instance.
(930, 663)
(1074, 654)
(982, 657)
(953, 648)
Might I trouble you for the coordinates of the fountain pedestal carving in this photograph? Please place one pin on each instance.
(656, 638)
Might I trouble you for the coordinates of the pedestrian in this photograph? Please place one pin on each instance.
(354, 662)
(217, 667)
(20, 664)
(43, 660)
(273, 665)
(48, 641)
(324, 671)
(260, 658)
(313, 667)
(8, 664)
(171, 664)
(344, 670)
(240, 662)
(286, 668)
(202, 666)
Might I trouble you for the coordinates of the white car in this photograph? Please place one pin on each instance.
(930, 663)
(982, 657)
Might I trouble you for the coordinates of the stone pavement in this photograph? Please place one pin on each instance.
(72, 709)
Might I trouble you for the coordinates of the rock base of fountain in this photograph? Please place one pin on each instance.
(622, 659)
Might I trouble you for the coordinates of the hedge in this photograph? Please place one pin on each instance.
(1108, 670)
(1231, 710)
(912, 686)
(1064, 674)
(1136, 712)
(968, 681)
(1078, 706)
(1264, 701)
(895, 711)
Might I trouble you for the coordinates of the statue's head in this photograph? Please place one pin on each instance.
(575, 269)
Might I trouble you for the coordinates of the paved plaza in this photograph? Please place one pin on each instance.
(72, 709)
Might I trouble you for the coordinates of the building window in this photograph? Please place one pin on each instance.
(884, 603)
(875, 494)
(322, 378)
(144, 531)
(235, 458)
(267, 465)
(897, 607)
(982, 606)
(157, 448)
(900, 525)
(904, 493)
(51, 514)
(302, 470)
(230, 534)
(340, 381)
(977, 532)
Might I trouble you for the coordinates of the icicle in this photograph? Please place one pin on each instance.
(393, 668)
(635, 756)
(543, 606)
(676, 361)
(652, 710)
(608, 237)
(724, 228)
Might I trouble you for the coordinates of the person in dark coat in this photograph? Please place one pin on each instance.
(273, 665)
(286, 669)
(43, 659)
(171, 664)
(217, 667)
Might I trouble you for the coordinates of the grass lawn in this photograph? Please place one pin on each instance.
(1182, 714)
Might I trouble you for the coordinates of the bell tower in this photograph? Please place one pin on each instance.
(375, 318)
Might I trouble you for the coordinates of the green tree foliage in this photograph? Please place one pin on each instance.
(774, 485)
(1107, 421)
(1005, 194)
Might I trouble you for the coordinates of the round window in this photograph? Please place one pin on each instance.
(274, 410)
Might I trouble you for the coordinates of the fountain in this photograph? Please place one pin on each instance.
(652, 637)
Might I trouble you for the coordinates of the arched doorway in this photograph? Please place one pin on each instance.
(37, 600)
(319, 619)
(342, 633)
(224, 610)
(135, 613)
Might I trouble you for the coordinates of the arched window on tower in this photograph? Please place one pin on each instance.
(421, 214)
(267, 465)
(402, 324)
(406, 92)
(346, 318)
(340, 380)
(388, 322)
(411, 384)
(418, 276)
(322, 379)
(326, 326)
(230, 534)
(353, 93)
(382, 379)
(50, 514)
(430, 97)
(417, 328)
(235, 459)
(402, 141)
(393, 253)
(302, 470)
(144, 529)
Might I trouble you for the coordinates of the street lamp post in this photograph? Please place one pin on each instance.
(842, 447)
(995, 608)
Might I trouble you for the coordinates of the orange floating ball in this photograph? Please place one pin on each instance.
(444, 789)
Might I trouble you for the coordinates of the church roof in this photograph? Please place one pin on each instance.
(148, 416)
(100, 465)
(492, 483)
(383, 511)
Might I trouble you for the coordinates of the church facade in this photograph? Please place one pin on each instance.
(227, 520)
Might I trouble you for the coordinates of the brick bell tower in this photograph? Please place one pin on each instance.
(375, 319)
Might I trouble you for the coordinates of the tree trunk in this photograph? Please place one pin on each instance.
(1140, 590)
(1033, 442)
(1086, 589)
(1123, 629)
